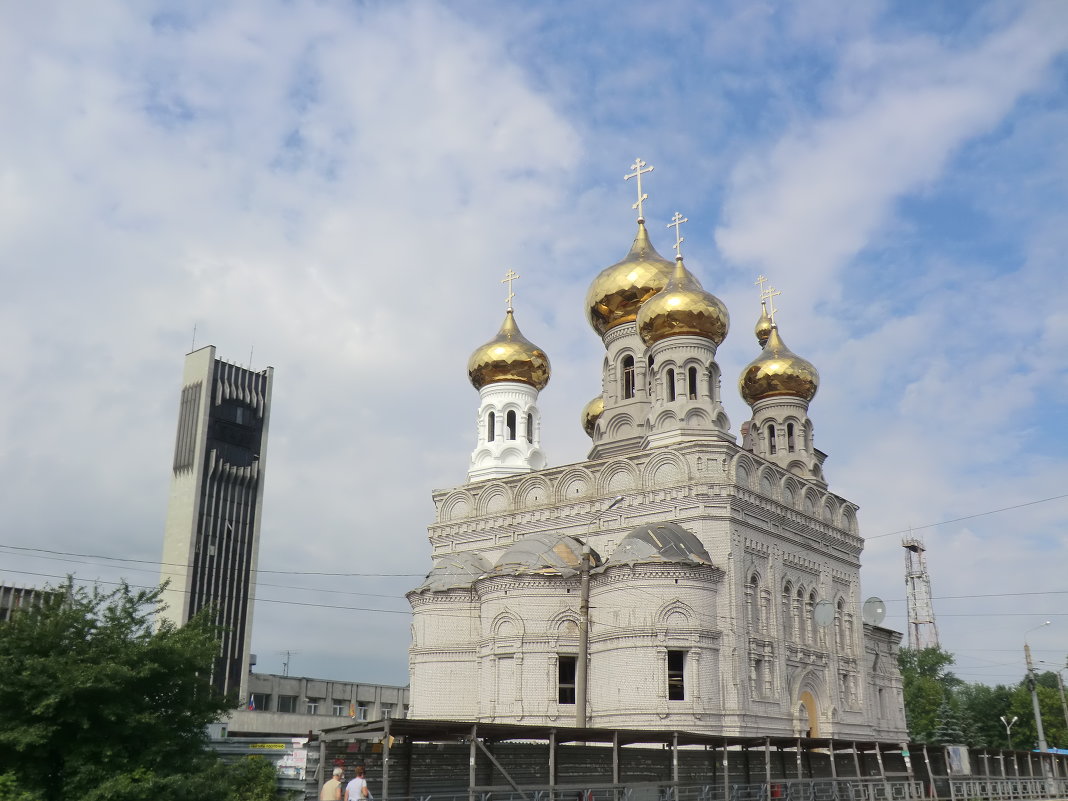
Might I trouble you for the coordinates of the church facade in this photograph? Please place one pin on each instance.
(707, 582)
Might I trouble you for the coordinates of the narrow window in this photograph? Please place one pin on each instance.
(751, 596)
(691, 381)
(565, 681)
(787, 619)
(882, 704)
(312, 707)
(628, 377)
(341, 707)
(530, 428)
(361, 710)
(670, 385)
(650, 362)
(491, 427)
(509, 423)
(676, 685)
(790, 444)
(771, 439)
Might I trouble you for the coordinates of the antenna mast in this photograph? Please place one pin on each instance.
(923, 632)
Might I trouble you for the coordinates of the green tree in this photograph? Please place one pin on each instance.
(927, 684)
(983, 707)
(98, 703)
(1025, 735)
(950, 730)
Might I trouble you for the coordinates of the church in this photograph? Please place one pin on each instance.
(682, 577)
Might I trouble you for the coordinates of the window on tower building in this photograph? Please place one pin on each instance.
(509, 423)
(565, 682)
(628, 377)
(670, 385)
(491, 427)
(691, 383)
(312, 707)
(676, 675)
(530, 428)
(791, 444)
(287, 703)
(772, 445)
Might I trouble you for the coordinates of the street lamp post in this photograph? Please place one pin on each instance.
(582, 662)
(1008, 728)
(1034, 689)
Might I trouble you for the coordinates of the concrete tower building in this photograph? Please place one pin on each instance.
(211, 540)
(674, 579)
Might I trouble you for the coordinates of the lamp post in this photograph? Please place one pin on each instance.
(1034, 689)
(1059, 672)
(582, 663)
(1008, 728)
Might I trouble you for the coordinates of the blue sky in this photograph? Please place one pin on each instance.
(340, 186)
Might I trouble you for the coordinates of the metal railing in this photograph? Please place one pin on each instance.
(1006, 789)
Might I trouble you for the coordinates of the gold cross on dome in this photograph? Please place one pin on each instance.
(638, 173)
(769, 295)
(676, 223)
(510, 276)
(761, 280)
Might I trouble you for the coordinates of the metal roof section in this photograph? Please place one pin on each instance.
(544, 554)
(660, 542)
(455, 571)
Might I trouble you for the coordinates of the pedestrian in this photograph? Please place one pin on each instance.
(332, 789)
(357, 788)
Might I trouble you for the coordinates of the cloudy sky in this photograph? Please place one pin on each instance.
(336, 188)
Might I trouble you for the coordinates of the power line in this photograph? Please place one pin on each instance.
(967, 517)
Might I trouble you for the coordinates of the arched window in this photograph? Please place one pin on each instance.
(628, 377)
(839, 625)
(491, 427)
(670, 385)
(691, 383)
(790, 445)
(799, 615)
(810, 609)
(772, 445)
(752, 596)
(787, 618)
(509, 424)
(530, 427)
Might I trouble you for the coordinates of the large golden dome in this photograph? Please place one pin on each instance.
(509, 356)
(683, 308)
(591, 413)
(618, 291)
(778, 371)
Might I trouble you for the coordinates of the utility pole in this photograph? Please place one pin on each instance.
(1034, 690)
(582, 662)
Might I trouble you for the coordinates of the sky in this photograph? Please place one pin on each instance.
(336, 189)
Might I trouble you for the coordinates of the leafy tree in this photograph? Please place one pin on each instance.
(1025, 734)
(927, 684)
(983, 707)
(98, 703)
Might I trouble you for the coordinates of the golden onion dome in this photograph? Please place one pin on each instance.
(591, 413)
(778, 371)
(683, 308)
(763, 326)
(509, 356)
(618, 291)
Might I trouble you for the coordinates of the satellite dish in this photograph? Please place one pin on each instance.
(823, 614)
(874, 611)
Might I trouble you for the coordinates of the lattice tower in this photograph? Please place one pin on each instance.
(923, 632)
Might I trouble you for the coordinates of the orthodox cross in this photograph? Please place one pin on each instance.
(638, 172)
(769, 295)
(508, 278)
(761, 280)
(676, 223)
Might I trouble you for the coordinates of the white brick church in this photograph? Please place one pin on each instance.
(723, 578)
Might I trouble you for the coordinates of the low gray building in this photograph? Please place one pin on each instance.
(296, 705)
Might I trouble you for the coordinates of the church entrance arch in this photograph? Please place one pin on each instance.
(808, 721)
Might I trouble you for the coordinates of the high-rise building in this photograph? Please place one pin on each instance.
(212, 535)
(681, 577)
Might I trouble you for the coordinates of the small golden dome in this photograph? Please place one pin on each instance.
(683, 308)
(763, 326)
(778, 371)
(618, 291)
(591, 413)
(509, 356)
